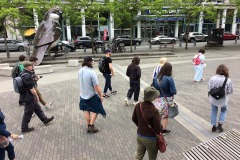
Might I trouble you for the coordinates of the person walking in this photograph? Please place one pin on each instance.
(36, 78)
(31, 99)
(222, 73)
(146, 139)
(198, 67)
(90, 95)
(4, 133)
(157, 69)
(108, 74)
(134, 74)
(17, 69)
(164, 83)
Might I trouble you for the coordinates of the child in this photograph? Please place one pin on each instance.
(5, 133)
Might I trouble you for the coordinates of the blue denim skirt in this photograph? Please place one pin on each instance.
(94, 104)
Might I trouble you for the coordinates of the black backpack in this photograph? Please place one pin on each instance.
(218, 92)
(102, 65)
(15, 71)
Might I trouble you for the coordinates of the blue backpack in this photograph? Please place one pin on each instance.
(18, 84)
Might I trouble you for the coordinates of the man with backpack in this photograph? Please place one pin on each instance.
(199, 63)
(108, 73)
(17, 69)
(31, 99)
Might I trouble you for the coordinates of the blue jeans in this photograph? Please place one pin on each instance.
(222, 116)
(10, 152)
(107, 82)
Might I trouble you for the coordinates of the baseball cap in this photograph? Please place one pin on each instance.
(27, 63)
(108, 50)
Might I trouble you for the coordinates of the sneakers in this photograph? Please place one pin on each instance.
(92, 129)
(219, 127)
(48, 105)
(214, 128)
(113, 92)
(27, 130)
(48, 120)
(135, 102)
(165, 132)
(105, 96)
(126, 101)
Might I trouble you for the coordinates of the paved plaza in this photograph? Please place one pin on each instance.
(66, 137)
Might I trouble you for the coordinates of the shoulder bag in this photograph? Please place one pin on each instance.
(161, 144)
(4, 142)
(218, 92)
(172, 110)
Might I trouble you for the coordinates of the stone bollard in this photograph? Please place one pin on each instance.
(135, 47)
(150, 45)
(195, 42)
(84, 49)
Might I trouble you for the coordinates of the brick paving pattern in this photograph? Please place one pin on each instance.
(66, 137)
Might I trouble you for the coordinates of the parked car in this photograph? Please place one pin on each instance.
(230, 36)
(13, 45)
(82, 42)
(126, 40)
(162, 39)
(195, 36)
(60, 47)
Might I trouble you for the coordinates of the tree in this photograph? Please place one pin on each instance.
(8, 12)
(125, 13)
(190, 10)
(91, 12)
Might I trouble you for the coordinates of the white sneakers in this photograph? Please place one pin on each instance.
(135, 102)
(126, 101)
(48, 105)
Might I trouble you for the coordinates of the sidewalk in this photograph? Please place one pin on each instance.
(66, 137)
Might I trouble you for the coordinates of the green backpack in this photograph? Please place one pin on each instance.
(15, 71)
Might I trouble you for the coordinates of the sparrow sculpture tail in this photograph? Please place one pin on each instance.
(39, 53)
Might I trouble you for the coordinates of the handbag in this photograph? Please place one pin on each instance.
(161, 144)
(4, 142)
(172, 109)
(218, 92)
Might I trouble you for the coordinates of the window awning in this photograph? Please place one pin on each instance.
(29, 32)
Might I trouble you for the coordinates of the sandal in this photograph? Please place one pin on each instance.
(113, 92)
(106, 96)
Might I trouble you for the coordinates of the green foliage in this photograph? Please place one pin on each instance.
(125, 11)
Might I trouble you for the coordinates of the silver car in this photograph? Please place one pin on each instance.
(13, 45)
(195, 36)
(162, 39)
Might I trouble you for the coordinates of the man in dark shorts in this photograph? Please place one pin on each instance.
(108, 74)
(90, 95)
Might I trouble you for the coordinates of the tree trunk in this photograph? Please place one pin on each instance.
(5, 40)
(187, 33)
(131, 38)
(93, 45)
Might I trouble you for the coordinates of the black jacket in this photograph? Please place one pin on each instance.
(28, 83)
(134, 72)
